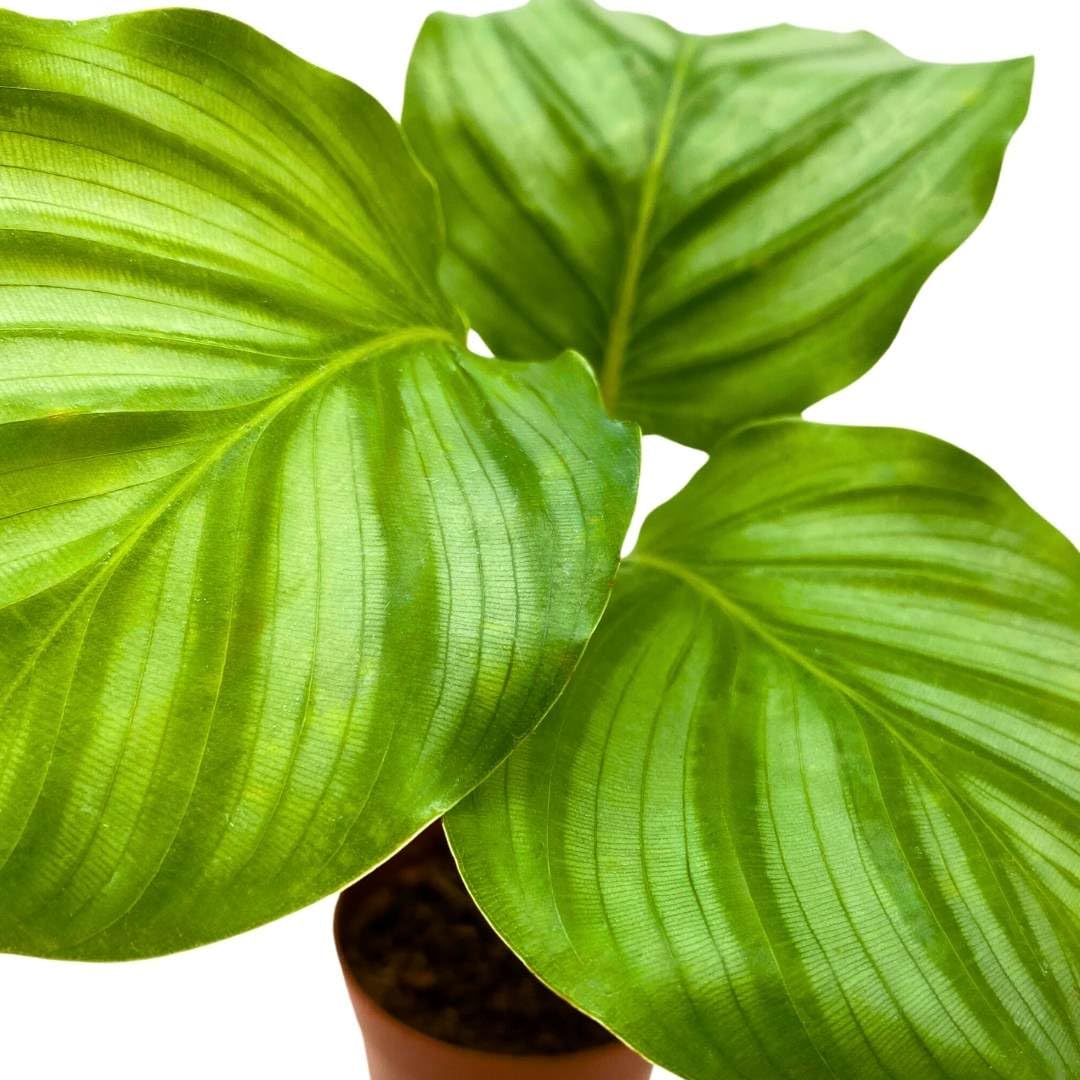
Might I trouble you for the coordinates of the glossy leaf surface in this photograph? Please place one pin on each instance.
(284, 570)
(727, 227)
(809, 806)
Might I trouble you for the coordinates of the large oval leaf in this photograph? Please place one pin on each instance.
(284, 570)
(809, 806)
(728, 227)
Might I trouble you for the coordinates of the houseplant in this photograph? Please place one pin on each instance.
(806, 807)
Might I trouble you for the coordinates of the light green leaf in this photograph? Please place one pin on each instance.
(284, 570)
(728, 227)
(810, 804)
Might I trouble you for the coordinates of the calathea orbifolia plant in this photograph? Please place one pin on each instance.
(285, 572)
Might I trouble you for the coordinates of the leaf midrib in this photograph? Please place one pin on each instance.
(742, 615)
(739, 614)
(618, 335)
(263, 417)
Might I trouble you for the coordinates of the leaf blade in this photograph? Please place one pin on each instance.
(284, 570)
(766, 833)
(729, 228)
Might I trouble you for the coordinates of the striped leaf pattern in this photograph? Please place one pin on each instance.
(284, 570)
(810, 805)
(728, 227)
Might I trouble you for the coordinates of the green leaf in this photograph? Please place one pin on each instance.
(728, 227)
(810, 804)
(284, 570)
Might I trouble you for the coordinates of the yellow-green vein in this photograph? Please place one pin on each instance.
(619, 327)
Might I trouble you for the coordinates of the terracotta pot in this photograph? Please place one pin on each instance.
(396, 1051)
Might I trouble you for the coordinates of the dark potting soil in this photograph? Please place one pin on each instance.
(419, 946)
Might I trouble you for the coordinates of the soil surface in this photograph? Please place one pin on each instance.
(419, 946)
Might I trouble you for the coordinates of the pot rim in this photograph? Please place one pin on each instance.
(586, 1054)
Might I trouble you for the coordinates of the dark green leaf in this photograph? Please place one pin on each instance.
(810, 805)
(728, 227)
(284, 570)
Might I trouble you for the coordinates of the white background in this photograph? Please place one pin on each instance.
(987, 359)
